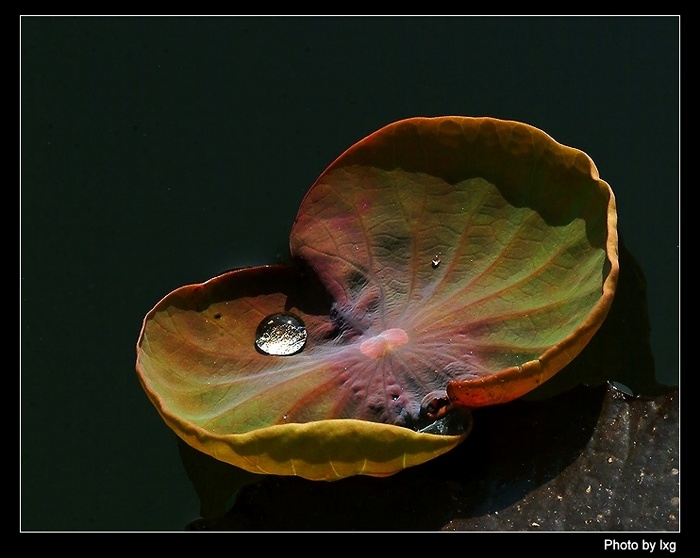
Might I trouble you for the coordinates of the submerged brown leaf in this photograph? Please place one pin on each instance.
(591, 459)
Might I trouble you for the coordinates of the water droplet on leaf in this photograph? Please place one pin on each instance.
(280, 335)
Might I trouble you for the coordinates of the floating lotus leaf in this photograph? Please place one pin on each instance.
(443, 264)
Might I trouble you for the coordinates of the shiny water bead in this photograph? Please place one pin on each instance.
(280, 335)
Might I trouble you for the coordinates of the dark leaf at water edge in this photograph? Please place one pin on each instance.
(589, 459)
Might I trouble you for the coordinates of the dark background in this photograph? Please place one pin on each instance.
(157, 152)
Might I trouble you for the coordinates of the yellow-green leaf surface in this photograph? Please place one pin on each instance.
(444, 264)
